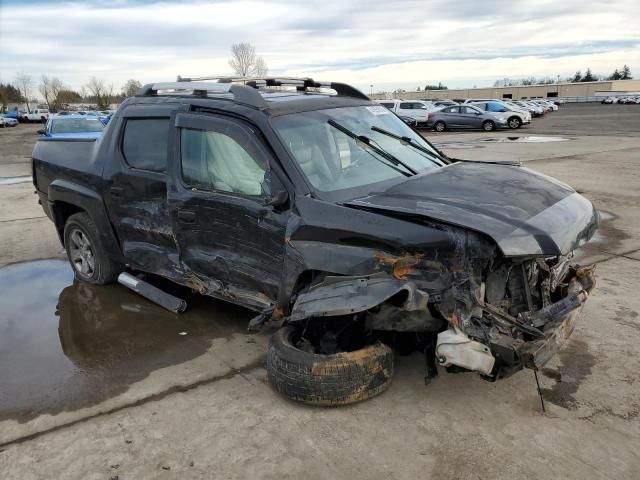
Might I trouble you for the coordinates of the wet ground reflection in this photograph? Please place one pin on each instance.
(65, 344)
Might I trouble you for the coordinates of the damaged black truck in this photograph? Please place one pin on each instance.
(324, 213)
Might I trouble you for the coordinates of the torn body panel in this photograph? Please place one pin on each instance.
(347, 295)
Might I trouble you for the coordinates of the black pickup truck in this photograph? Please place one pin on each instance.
(323, 212)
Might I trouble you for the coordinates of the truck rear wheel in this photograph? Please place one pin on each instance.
(327, 380)
(88, 258)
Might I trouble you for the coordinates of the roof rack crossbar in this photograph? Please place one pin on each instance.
(245, 89)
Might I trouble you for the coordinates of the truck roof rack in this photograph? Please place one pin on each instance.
(245, 89)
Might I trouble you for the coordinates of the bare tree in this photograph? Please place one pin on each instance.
(24, 83)
(260, 68)
(101, 92)
(131, 88)
(245, 62)
(50, 89)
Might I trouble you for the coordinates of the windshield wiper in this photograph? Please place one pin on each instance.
(406, 141)
(409, 141)
(363, 139)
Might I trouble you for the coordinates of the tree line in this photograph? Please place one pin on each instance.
(56, 95)
(618, 74)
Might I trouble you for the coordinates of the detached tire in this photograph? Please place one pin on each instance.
(89, 260)
(327, 380)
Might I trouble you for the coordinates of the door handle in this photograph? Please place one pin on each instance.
(116, 191)
(186, 216)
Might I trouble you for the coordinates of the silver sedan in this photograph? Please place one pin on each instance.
(464, 117)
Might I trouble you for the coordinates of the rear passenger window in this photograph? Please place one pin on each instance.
(406, 106)
(145, 143)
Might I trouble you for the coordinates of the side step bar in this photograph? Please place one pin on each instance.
(148, 291)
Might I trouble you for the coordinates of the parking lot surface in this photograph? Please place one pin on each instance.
(98, 383)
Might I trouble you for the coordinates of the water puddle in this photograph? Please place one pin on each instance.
(14, 180)
(525, 139)
(65, 344)
(478, 143)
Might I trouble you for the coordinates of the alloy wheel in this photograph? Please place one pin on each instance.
(81, 253)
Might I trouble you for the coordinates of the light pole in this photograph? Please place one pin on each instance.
(370, 89)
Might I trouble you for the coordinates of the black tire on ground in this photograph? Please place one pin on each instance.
(439, 126)
(488, 126)
(327, 380)
(88, 258)
(514, 122)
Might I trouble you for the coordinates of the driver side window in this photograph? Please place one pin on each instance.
(213, 160)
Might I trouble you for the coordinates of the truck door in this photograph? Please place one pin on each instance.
(220, 181)
(136, 189)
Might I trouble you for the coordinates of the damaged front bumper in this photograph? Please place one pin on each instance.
(388, 303)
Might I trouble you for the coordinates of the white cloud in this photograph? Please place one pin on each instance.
(388, 44)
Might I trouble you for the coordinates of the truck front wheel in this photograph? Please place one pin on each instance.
(88, 258)
(326, 380)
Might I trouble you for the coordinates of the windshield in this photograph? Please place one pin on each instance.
(333, 161)
(76, 125)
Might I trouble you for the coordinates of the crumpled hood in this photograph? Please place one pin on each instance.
(524, 212)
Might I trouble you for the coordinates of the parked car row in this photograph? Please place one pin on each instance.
(103, 115)
(485, 114)
(624, 100)
(41, 115)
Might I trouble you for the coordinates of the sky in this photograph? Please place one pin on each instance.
(374, 45)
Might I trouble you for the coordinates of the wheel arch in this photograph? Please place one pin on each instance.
(61, 211)
(67, 198)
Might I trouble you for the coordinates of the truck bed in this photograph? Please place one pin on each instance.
(69, 159)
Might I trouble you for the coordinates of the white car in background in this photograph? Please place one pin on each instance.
(544, 104)
(415, 109)
(36, 115)
(515, 117)
(534, 109)
(610, 100)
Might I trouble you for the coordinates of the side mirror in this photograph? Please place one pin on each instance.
(278, 199)
(41, 132)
